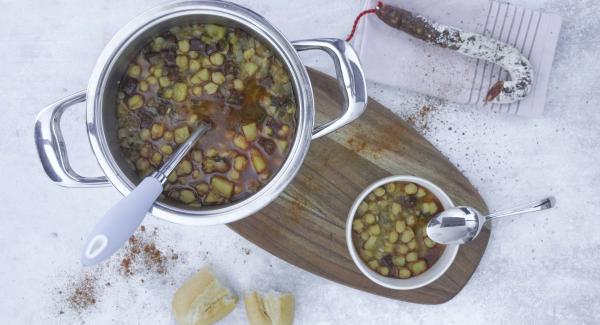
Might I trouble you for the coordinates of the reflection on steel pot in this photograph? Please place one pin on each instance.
(101, 106)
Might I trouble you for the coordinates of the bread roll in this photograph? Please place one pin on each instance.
(202, 300)
(273, 309)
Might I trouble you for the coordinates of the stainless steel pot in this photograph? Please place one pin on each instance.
(101, 106)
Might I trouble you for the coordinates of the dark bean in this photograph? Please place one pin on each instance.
(162, 109)
(129, 86)
(211, 48)
(268, 145)
(173, 73)
(387, 260)
(197, 45)
(169, 56)
(170, 42)
(152, 57)
(266, 82)
(146, 119)
(230, 67)
(408, 201)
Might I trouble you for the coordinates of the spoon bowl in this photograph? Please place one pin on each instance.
(462, 224)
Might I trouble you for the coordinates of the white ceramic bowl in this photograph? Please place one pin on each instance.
(423, 279)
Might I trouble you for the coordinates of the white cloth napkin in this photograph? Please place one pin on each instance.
(392, 57)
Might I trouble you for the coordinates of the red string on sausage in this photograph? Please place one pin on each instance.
(360, 15)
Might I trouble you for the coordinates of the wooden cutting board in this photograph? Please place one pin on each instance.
(306, 224)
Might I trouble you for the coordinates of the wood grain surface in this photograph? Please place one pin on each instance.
(305, 226)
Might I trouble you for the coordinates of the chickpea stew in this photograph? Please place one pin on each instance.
(389, 230)
(215, 73)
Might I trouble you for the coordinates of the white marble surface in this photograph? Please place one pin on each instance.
(542, 269)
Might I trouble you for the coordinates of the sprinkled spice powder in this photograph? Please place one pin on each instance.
(83, 294)
(420, 119)
(140, 257)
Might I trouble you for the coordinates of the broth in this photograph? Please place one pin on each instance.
(211, 73)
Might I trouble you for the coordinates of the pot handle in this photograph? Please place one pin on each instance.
(51, 145)
(350, 76)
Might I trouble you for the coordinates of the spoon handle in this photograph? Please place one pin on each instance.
(117, 225)
(544, 204)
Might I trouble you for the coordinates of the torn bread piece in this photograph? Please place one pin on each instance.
(202, 300)
(272, 309)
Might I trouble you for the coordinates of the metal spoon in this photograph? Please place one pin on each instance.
(459, 225)
(121, 221)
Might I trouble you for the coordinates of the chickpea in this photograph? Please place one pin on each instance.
(383, 270)
(194, 65)
(407, 235)
(393, 237)
(410, 189)
(156, 158)
(369, 219)
(358, 225)
(218, 77)
(373, 264)
(184, 168)
(187, 196)
(145, 134)
(401, 249)
(183, 45)
(418, 267)
(412, 245)
(370, 243)
(366, 255)
(182, 62)
(217, 59)
(396, 208)
(388, 247)
(400, 226)
(379, 192)
(374, 230)
(197, 155)
(166, 149)
(202, 188)
(211, 88)
(404, 273)
(238, 85)
(390, 187)
(134, 102)
(433, 208)
(157, 131)
(134, 71)
(412, 257)
(398, 260)
(365, 235)
(429, 243)
(180, 92)
(142, 164)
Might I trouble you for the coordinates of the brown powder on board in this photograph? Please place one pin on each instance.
(356, 145)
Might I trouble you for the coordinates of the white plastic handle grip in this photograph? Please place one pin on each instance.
(120, 222)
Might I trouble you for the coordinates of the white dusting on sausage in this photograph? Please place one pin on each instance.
(470, 44)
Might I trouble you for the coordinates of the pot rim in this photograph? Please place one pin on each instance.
(258, 25)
